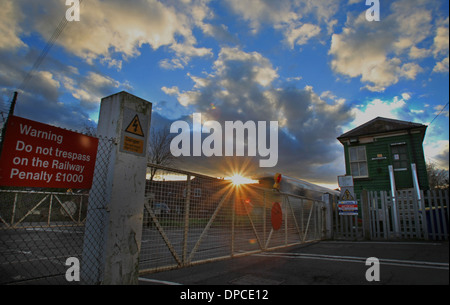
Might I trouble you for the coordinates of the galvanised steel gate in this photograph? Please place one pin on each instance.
(191, 218)
(38, 232)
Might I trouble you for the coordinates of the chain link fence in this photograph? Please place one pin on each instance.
(41, 228)
(191, 219)
(188, 219)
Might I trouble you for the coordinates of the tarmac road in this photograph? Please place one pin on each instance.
(322, 263)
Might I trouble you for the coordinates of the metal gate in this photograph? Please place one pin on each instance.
(191, 218)
(403, 216)
(346, 227)
(38, 232)
(408, 216)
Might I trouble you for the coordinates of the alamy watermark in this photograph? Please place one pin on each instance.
(373, 13)
(73, 12)
(73, 272)
(212, 145)
(373, 272)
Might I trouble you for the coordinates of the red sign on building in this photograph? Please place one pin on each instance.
(39, 155)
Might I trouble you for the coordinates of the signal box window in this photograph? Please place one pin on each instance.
(358, 162)
(399, 157)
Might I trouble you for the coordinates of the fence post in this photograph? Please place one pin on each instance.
(394, 210)
(187, 204)
(328, 200)
(113, 231)
(365, 214)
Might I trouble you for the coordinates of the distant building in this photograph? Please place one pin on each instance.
(372, 147)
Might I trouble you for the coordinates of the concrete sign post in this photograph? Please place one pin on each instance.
(347, 205)
(329, 201)
(117, 222)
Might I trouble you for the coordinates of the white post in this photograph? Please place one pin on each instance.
(416, 182)
(394, 200)
(114, 222)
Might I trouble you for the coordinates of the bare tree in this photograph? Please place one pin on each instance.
(159, 148)
(437, 178)
(89, 129)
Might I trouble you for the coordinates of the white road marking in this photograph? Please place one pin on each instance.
(380, 242)
(143, 279)
(354, 259)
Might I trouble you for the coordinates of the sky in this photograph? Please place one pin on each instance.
(317, 67)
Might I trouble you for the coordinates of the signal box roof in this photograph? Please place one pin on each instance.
(381, 125)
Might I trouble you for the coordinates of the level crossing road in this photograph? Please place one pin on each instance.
(323, 263)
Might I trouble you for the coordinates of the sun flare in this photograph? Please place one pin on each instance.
(237, 179)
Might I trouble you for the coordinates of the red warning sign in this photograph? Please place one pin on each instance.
(276, 216)
(39, 155)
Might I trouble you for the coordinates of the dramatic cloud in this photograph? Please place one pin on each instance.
(437, 152)
(404, 107)
(46, 94)
(91, 88)
(302, 34)
(393, 109)
(10, 17)
(42, 102)
(441, 47)
(382, 53)
(289, 17)
(121, 29)
(242, 87)
(236, 60)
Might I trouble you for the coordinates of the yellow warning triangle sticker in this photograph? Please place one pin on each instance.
(347, 195)
(135, 127)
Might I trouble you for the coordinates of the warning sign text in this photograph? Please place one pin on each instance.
(40, 155)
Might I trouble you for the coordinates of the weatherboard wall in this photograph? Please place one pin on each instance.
(379, 156)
